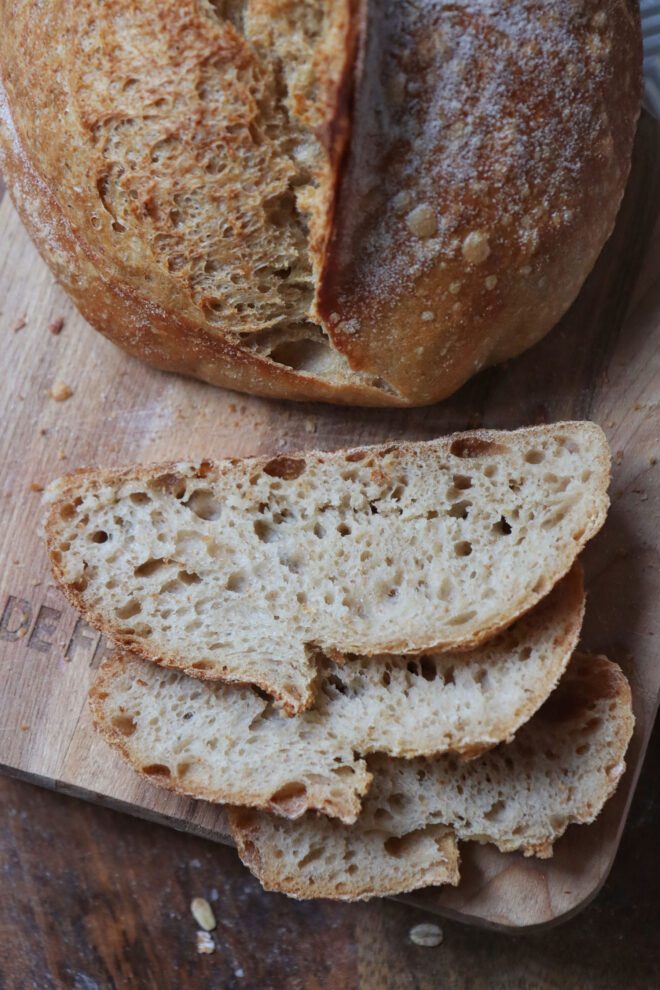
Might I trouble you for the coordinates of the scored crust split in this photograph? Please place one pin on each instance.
(243, 570)
(320, 199)
(560, 769)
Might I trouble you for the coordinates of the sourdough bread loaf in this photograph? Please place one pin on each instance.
(213, 741)
(241, 570)
(309, 199)
(560, 769)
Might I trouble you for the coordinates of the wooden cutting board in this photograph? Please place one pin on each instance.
(602, 362)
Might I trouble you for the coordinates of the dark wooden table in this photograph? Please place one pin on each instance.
(93, 899)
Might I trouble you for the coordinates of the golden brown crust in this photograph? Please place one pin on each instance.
(519, 180)
(515, 144)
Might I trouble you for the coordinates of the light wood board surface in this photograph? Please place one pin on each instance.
(602, 362)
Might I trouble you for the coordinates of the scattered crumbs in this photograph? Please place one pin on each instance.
(25, 728)
(239, 973)
(203, 914)
(36, 487)
(618, 457)
(491, 282)
(21, 632)
(61, 456)
(611, 423)
(454, 288)
(43, 432)
(427, 316)
(205, 944)
(638, 406)
(55, 327)
(653, 461)
(19, 324)
(60, 391)
(427, 935)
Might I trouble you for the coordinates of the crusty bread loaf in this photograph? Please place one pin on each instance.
(213, 740)
(561, 768)
(239, 570)
(194, 175)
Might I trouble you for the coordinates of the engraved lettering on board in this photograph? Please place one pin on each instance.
(38, 625)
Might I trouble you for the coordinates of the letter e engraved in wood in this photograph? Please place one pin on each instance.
(44, 629)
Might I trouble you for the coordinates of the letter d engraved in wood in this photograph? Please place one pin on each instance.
(16, 618)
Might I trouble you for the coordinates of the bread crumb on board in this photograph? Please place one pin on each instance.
(426, 934)
(205, 944)
(19, 324)
(60, 392)
(56, 325)
(36, 487)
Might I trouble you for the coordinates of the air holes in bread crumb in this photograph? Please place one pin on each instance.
(460, 620)
(495, 811)
(128, 610)
(287, 468)
(337, 683)
(98, 536)
(189, 577)
(534, 456)
(459, 510)
(236, 581)
(290, 800)
(124, 724)
(265, 531)
(502, 527)
(314, 853)
(471, 446)
(149, 567)
(170, 484)
(204, 505)
(344, 529)
(157, 770)
(138, 498)
(463, 548)
(462, 482)
(428, 669)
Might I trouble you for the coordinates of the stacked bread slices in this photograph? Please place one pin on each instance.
(367, 655)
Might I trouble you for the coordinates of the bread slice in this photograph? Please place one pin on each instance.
(238, 570)
(213, 740)
(561, 768)
(344, 863)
